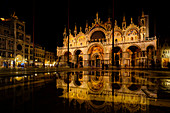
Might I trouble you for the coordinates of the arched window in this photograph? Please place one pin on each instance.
(97, 35)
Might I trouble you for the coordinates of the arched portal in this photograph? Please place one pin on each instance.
(66, 57)
(78, 58)
(133, 57)
(19, 60)
(96, 54)
(117, 56)
(150, 56)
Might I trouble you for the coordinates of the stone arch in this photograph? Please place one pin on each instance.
(132, 33)
(19, 60)
(150, 45)
(74, 52)
(117, 55)
(118, 36)
(150, 55)
(132, 45)
(78, 57)
(97, 35)
(95, 30)
(66, 55)
(96, 55)
(134, 52)
(95, 44)
(132, 27)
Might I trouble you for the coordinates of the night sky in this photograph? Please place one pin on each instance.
(51, 16)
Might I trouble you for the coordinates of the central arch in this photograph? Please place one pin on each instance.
(96, 54)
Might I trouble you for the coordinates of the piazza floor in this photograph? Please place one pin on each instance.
(86, 90)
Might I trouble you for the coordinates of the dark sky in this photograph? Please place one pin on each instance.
(51, 15)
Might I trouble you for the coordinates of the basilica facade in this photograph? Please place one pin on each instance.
(132, 44)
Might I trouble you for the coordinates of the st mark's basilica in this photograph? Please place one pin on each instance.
(132, 44)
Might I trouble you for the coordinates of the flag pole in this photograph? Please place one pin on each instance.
(113, 36)
(68, 33)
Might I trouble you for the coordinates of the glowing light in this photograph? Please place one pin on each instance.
(3, 19)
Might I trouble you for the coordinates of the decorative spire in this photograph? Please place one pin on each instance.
(131, 20)
(75, 29)
(70, 31)
(65, 32)
(97, 16)
(14, 16)
(86, 29)
(86, 24)
(143, 14)
(109, 20)
(124, 20)
(124, 23)
(115, 22)
(80, 29)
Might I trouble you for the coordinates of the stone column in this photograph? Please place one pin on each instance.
(86, 58)
(124, 56)
(106, 58)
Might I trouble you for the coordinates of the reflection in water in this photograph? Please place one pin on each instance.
(17, 93)
(85, 92)
(94, 91)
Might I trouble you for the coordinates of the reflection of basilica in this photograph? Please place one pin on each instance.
(133, 46)
(95, 90)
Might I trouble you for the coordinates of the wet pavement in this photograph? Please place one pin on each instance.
(86, 91)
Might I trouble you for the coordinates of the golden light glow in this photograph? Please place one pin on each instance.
(3, 19)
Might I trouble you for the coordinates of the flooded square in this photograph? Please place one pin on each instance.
(86, 91)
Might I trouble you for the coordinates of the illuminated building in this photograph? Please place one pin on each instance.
(49, 59)
(165, 55)
(93, 90)
(16, 48)
(39, 55)
(132, 44)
